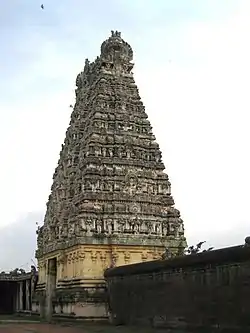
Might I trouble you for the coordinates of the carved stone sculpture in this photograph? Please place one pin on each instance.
(110, 180)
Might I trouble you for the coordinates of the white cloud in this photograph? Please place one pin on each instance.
(199, 107)
(193, 76)
(18, 243)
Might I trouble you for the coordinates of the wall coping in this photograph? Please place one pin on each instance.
(235, 254)
(18, 277)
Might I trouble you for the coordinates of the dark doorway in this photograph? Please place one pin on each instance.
(7, 297)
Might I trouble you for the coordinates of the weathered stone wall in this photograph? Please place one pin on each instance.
(210, 289)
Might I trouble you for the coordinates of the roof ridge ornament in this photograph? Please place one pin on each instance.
(115, 33)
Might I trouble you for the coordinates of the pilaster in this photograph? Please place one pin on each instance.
(21, 296)
(17, 301)
(28, 299)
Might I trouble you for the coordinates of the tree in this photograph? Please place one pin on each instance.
(197, 248)
(190, 250)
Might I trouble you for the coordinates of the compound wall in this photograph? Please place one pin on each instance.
(210, 289)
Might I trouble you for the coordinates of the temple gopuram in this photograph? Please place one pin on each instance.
(110, 201)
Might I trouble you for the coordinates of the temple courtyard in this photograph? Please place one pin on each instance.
(38, 327)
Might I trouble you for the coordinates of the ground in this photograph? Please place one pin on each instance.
(32, 324)
(36, 327)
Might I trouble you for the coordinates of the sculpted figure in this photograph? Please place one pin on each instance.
(64, 231)
(84, 226)
(131, 226)
(87, 67)
(181, 228)
(176, 230)
(247, 241)
(71, 232)
(165, 229)
(149, 227)
(136, 227)
(109, 226)
(88, 227)
(99, 227)
(77, 229)
(121, 226)
(157, 228)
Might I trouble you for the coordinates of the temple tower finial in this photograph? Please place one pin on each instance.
(115, 34)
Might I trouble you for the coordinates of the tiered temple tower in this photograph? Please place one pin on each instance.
(110, 202)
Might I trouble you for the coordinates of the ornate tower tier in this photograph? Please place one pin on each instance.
(110, 201)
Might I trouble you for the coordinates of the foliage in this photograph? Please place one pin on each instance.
(197, 248)
(193, 249)
(17, 271)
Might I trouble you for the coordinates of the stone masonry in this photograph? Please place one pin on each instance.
(205, 292)
(110, 200)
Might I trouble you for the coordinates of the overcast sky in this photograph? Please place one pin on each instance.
(192, 67)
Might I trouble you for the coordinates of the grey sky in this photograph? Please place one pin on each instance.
(192, 68)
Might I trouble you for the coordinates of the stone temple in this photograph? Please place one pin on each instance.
(110, 201)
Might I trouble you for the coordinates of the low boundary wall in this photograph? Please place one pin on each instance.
(210, 289)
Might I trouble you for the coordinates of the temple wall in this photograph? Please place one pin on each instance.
(80, 286)
(91, 261)
(210, 289)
